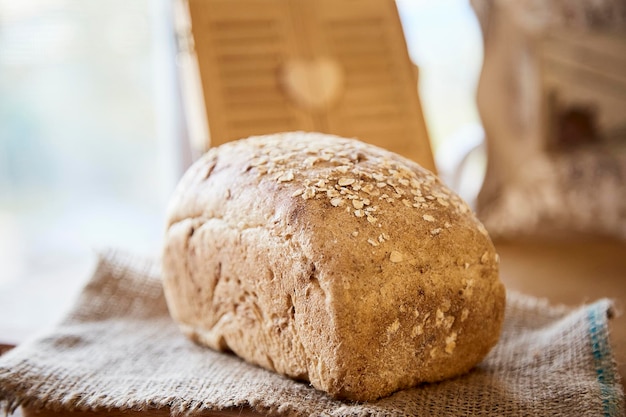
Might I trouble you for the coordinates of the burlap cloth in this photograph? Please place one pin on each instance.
(119, 349)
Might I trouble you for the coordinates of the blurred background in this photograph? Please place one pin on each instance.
(91, 128)
(86, 144)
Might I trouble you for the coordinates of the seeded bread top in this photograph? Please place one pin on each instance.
(358, 179)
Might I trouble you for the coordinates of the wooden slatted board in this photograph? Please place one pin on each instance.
(244, 47)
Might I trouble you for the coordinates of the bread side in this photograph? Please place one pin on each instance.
(331, 261)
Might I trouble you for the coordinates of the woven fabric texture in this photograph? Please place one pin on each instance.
(119, 348)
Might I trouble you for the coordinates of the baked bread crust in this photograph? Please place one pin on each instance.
(331, 261)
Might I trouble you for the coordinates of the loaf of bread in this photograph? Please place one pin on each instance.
(331, 261)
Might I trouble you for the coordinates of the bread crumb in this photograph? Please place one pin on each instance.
(417, 330)
(285, 177)
(355, 233)
(345, 181)
(485, 258)
(357, 204)
(428, 218)
(297, 193)
(259, 161)
(451, 343)
(309, 192)
(332, 193)
(448, 322)
(393, 327)
(336, 202)
(310, 161)
(439, 318)
(464, 314)
(436, 231)
(469, 287)
(372, 242)
(396, 256)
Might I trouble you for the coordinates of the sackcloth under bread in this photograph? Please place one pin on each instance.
(119, 349)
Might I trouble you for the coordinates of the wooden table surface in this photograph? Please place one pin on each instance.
(566, 272)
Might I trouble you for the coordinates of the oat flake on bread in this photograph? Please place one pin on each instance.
(331, 261)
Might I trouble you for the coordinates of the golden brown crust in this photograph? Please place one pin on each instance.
(332, 261)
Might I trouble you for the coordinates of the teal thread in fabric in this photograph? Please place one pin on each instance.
(605, 372)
